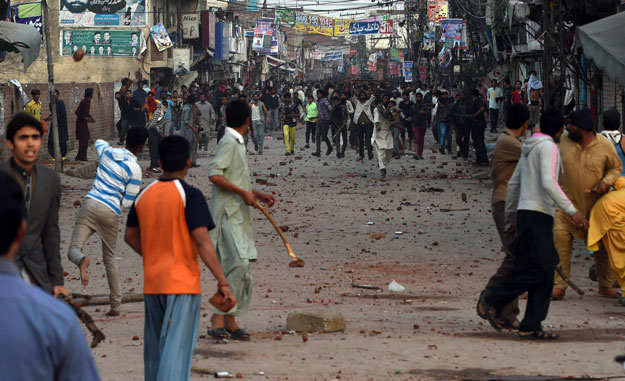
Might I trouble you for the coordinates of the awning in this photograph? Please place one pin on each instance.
(21, 37)
(602, 45)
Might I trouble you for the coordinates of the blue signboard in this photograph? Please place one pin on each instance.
(364, 27)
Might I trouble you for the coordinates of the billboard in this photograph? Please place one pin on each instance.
(29, 14)
(437, 10)
(102, 13)
(101, 43)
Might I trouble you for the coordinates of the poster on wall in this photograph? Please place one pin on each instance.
(29, 14)
(423, 68)
(101, 43)
(160, 37)
(181, 61)
(437, 10)
(190, 26)
(102, 13)
(394, 69)
(451, 33)
(408, 71)
(264, 41)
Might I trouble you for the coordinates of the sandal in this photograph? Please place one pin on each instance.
(538, 335)
(218, 333)
(488, 313)
(512, 325)
(239, 334)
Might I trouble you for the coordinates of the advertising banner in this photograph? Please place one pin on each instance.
(333, 55)
(161, 38)
(102, 13)
(264, 41)
(101, 43)
(423, 68)
(360, 27)
(397, 55)
(408, 71)
(428, 41)
(341, 27)
(437, 10)
(190, 26)
(451, 33)
(181, 61)
(394, 69)
(285, 17)
(301, 20)
(386, 27)
(29, 14)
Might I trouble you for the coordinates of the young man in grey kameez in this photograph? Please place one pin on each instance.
(232, 200)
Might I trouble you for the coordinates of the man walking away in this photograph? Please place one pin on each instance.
(83, 117)
(41, 338)
(494, 96)
(533, 193)
(505, 158)
(421, 113)
(61, 117)
(168, 225)
(323, 123)
(478, 126)
(462, 123)
(290, 112)
(118, 180)
(189, 128)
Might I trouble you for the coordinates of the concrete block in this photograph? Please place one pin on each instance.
(315, 321)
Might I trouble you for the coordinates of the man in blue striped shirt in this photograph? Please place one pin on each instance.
(117, 182)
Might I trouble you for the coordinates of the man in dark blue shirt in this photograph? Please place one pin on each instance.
(41, 338)
(61, 117)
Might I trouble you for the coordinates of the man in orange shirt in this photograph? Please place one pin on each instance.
(168, 225)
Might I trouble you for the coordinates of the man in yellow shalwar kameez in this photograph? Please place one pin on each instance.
(607, 228)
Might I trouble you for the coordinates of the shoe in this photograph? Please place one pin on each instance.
(558, 294)
(441, 151)
(256, 147)
(621, 301)
(194, 165)
(113, 312)
(370, 156)
(306, 146)
(383, 171)
(120, 143)
(316, 153)
(329, 151)
(609, 292)
(287, 153)
(155, 170)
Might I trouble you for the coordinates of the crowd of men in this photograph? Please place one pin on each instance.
(548, 188)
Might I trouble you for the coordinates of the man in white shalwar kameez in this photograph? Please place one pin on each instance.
(382, 139)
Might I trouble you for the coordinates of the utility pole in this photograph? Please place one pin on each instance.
(58, 160)
(547, 51)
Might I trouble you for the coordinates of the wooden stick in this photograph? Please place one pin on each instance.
(100, 300)
(294, 259)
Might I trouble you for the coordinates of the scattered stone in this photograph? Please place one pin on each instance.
(315, 321)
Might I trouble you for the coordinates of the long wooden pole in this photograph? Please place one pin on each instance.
(58, 160)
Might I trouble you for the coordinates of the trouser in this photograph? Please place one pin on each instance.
(95, 217)
(613, 243)
(444, 135)
(273, 126)
(289, 138)
(353, 138)
(153, 139)
(236, 270)
(396, 132)
(531, 271)
(435, 131)
(477, 134)
(463, 138)
(123, 131)
(62, 145)
(510, 310)
(310, 131)
(364, 133)
(167, 125)
(384, 155)
(259, 131)
(407, 129)
(339, 134)
(322, 134)
(192, 139)
(83, 144)
(419, 139)
(494, 119)
(534, 114)
(170, 333)
(564, 230)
